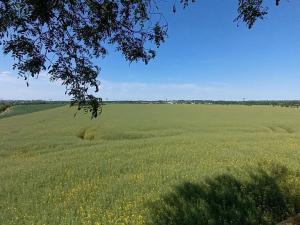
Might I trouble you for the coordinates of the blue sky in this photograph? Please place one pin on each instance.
(206, 56)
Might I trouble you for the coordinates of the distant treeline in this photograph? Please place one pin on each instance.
(4, 104)
(282, 103)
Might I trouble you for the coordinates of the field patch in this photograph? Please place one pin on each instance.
(126, 136)
(141, 135)
(87, 134)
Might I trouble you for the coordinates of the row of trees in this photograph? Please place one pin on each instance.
(282, 103)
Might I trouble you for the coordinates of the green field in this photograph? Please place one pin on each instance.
(21, 109)
(59, 169)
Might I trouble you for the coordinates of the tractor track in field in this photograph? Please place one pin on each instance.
(280, 129)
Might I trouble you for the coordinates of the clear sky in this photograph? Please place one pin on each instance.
(206, 56)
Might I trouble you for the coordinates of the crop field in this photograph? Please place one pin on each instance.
(150, 164)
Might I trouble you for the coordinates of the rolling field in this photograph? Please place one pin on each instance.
(59, 169)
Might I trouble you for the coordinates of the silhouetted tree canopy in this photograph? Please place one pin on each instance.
(63, 37)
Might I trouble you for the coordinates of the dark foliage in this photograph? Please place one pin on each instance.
(63, 37)
(251, 10)
(4, 107)
(266, 198)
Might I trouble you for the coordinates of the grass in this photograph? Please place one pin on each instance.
(60, 169)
